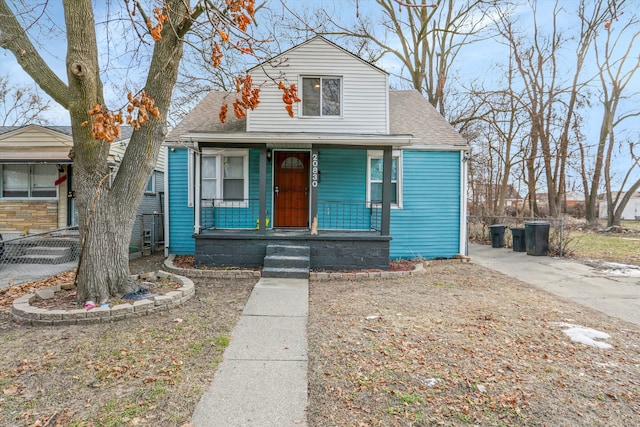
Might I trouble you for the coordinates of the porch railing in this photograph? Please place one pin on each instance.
(230, 214)
(348, 215)
(332, 215)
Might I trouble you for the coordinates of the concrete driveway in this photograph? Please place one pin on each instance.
(22, 273)
(614, 290)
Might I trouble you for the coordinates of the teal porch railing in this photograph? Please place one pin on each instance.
(244, 214)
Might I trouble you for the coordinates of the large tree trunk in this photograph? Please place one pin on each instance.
(107, 205)
(100, 271)
(103, 269)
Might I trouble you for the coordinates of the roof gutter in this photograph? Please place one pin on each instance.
(297, 138)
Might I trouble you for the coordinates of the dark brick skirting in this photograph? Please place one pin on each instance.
(339, 251)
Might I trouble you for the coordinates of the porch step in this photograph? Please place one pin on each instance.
(286, 273)
(45, 255)
(288, 250)
(287, 261)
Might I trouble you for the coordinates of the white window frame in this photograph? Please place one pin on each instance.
(320, 116)
(152, 181)
(378, 154)
(29, 186)
(220, 155)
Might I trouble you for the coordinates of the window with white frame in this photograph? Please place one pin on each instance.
(374, 178)
(321, 96)
(224, 178)
(151, 184)
(29, 181)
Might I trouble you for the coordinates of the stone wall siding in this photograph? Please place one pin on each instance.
(22, 216)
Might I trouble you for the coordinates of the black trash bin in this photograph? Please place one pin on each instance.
(537, 237)
(497, 235)
(517, 235)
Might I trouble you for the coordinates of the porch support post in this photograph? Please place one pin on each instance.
(262, 214)
(315, 180)
(197, 194)
(385, 219)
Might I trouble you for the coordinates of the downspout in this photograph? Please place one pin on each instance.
(166, 201)
(197, 196)
(464, 244)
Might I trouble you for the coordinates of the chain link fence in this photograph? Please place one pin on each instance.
(36, 256)
(479, 231)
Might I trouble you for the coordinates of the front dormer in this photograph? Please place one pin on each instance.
(340, 92)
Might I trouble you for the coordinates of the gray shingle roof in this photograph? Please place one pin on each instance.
(205, 117)
(126, 131)
(410, 114)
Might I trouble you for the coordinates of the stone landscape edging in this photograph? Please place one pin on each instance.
(212, 274)
(315, 275)
(23, 312)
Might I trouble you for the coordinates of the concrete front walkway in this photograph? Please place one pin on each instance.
(616, 293)
(262, 380)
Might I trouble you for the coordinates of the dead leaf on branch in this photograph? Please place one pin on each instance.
(105, 124)
(157, 29)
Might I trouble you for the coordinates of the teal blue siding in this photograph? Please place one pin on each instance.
(428, 225)
(180, 214)
(342, 191)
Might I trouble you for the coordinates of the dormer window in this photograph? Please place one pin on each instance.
(321, 96)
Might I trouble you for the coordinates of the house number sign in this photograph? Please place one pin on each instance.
(315, 175)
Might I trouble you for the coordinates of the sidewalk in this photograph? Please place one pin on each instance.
(262, 380)
(22, 273)
(616, 292)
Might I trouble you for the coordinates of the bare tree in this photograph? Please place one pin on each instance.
(615, 75)
(20, 105)
(551, 100)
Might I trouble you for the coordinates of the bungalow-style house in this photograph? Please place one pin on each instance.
(35, 179)
(359, 175)
(36, 182)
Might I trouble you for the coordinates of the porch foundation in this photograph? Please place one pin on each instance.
(328, 250)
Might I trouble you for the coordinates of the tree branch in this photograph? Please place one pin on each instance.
(15, 39)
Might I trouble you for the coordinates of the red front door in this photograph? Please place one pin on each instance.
(291, 189)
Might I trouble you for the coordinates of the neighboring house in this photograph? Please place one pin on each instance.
(630, 212)
(36, 181)
(572, 203)
(483, 198)
(35, 178)
(378, 173)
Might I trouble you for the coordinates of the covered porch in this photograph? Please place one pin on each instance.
(292, 203)
(328, 250)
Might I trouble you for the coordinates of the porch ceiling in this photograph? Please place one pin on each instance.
(295, 139)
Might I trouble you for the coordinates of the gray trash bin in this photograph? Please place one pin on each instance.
(537, 237)
(497, 235)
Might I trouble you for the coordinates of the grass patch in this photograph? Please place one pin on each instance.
(409, 398)
(623, 248)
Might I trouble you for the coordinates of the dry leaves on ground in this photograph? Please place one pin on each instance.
(148, 371)
(463, 345)
(11, 293)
